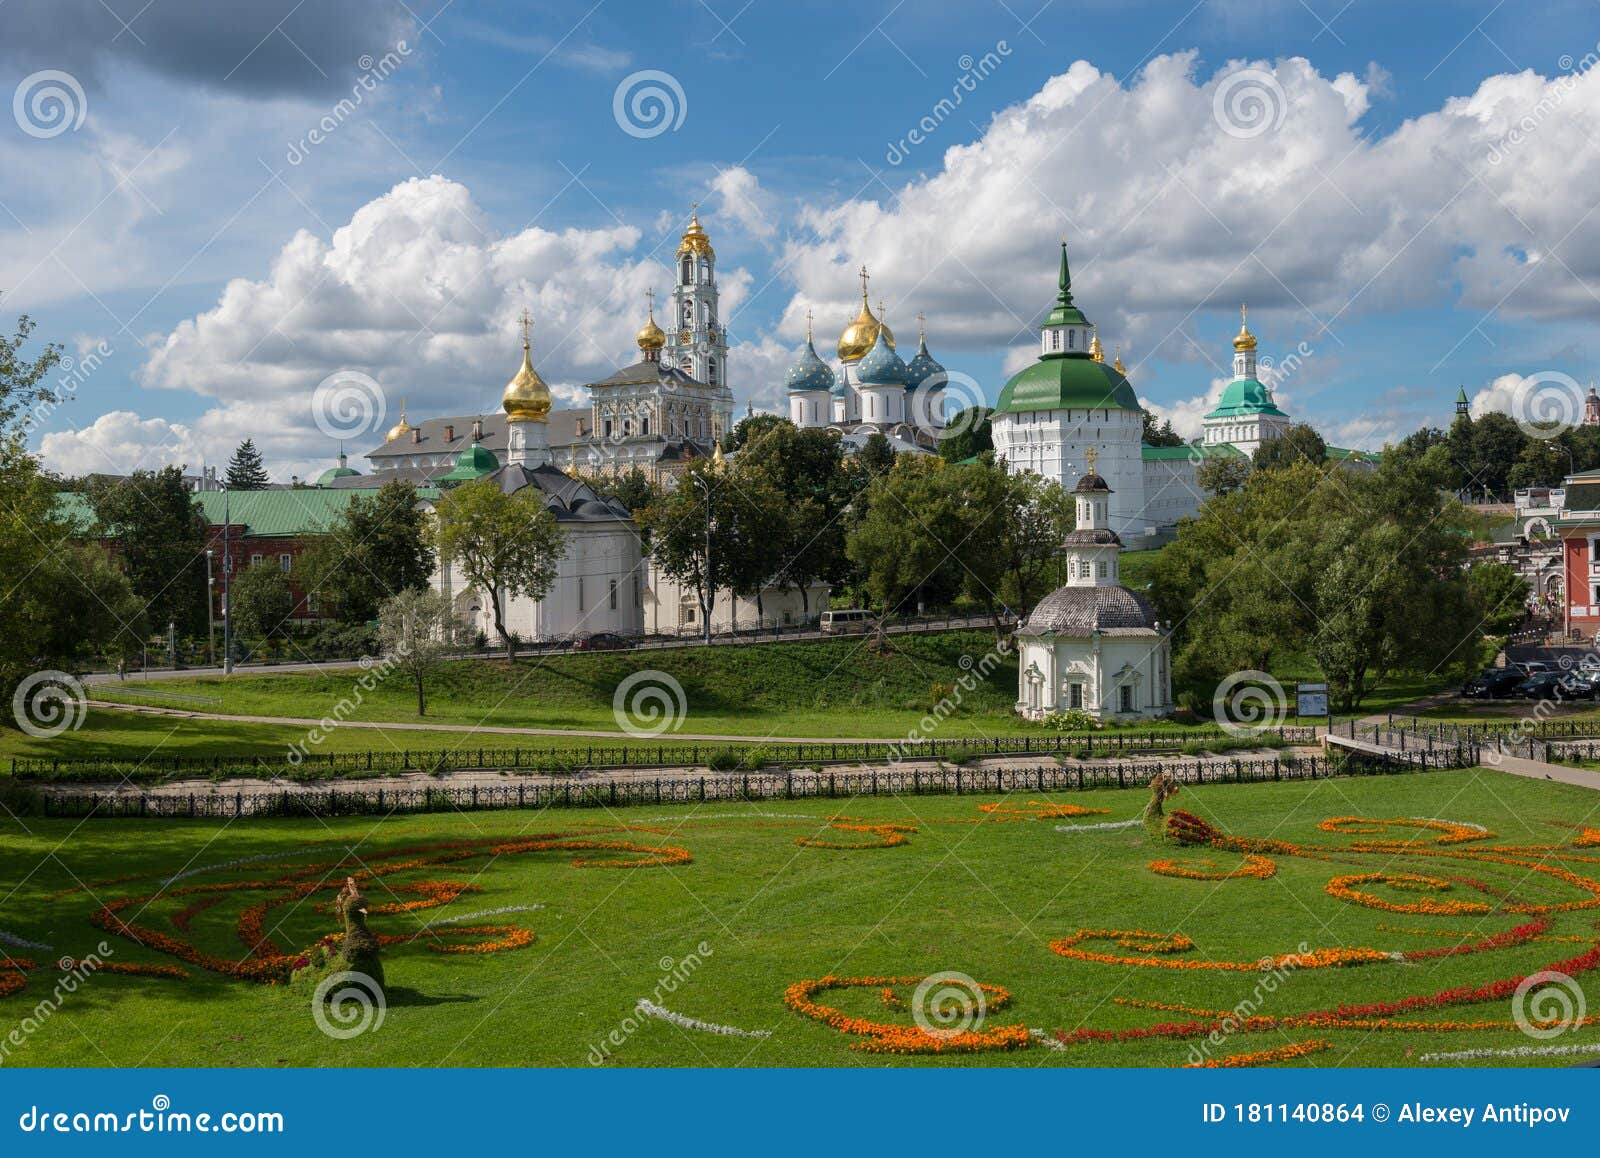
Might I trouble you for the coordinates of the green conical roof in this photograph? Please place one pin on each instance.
(1065, 313)
(472, 463)
(1245, 396)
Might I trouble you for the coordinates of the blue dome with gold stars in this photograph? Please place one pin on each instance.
(922, 366)
(882, 366)
(809, 372)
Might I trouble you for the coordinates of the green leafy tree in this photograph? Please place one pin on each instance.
(1299, 443)
(1496, 445)
(1223, 475)
(161, 539)
(505, 545)
(634, 490)
(87, 607)
(1011, 529)
(1499, 596)
(1542, 462)
(876, 456)
(913, 536)
(379, 546)
(418, 631)
(967, 434)
(246, 471)
(1160, 434)
(29, 526)
(261, 604)
(701, 534)
(753, 428)
(804, 468)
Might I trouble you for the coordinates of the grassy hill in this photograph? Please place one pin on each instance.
(829, 688)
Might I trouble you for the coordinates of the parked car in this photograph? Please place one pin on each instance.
(1577, 687)
(848, 621)
(1543, 686)
(1492, 683)
(601, 641)
(1533, 667)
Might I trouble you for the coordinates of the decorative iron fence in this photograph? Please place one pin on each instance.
(353, 801)
(754, 754)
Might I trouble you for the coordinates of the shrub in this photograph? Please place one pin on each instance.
(1071, 720)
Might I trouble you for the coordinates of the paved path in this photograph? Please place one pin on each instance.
(1538, 770)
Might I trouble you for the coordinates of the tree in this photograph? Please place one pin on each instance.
(101, 616)
(418, 630)
(505, 545)
(967, 434)
(1162, 435)
(378, 547)
(805, 470)
(876, 456)
(1496, 445)
(261, 604)
(1499, 596)
(29, 526)
(715, 530)
(1224, 474)
(752, 429)
(1542, 462)
(634, 490)
(246, 472)
(1011, 529)
(161, 539)
(917, 520)
(1299, 443)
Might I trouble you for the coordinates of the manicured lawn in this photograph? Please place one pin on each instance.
(982, 899)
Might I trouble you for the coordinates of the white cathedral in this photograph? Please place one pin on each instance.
(873, 389)
(1070, 401)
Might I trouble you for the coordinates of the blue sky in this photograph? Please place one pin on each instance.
(229, 263)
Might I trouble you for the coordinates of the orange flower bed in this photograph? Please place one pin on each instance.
(882, 1037)
(1344, 888)
(889, 836)
(1040, 810)
(1261, 1057)
(1255, 866)
(1449, 832)
(1137, 941)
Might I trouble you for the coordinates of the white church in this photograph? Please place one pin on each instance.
(1070, 401)
(1093, 645)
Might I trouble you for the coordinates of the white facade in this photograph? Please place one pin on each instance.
(673, 608)
(1055, 443)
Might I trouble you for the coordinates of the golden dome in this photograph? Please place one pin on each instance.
(399, 429)
(1244, 340)
(862, 334)
(694, 238)
(526, 397)
(1096, 351)
(1118, 366)
(652, 337)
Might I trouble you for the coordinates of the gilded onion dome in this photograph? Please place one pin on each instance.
(922, 366)
(694, 238)
(859, 335)
(809, 372)
(400, 429)
(882, 366)
(1118, 366)
(1244, 340)
(1096, 350)
(652, 337)
(526, 397)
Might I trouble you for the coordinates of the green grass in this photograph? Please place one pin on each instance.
(980, 899)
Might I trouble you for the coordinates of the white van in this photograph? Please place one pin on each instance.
(850, 622)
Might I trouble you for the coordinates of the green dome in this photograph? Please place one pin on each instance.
(1244, 396)
(472, 463)
(325, 479)
(1067, 382)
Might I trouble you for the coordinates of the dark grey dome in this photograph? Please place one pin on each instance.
(1082, 610)
(1097, 538)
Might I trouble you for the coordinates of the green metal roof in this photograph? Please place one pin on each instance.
(264, 514)
(1245, 396)
(1339, 452)
(472, 463)
(1166, 453)
(1067, 382)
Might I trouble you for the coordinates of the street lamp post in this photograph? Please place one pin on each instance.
(227, 587)
(211, 612)
(704, 484)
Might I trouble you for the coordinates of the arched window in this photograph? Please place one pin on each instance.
(685, 270)
(644, 425)
(1072, 336)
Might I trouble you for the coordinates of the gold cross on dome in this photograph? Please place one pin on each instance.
(1091, 454)
(650, 296)
(527, 325)
(863, 283)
